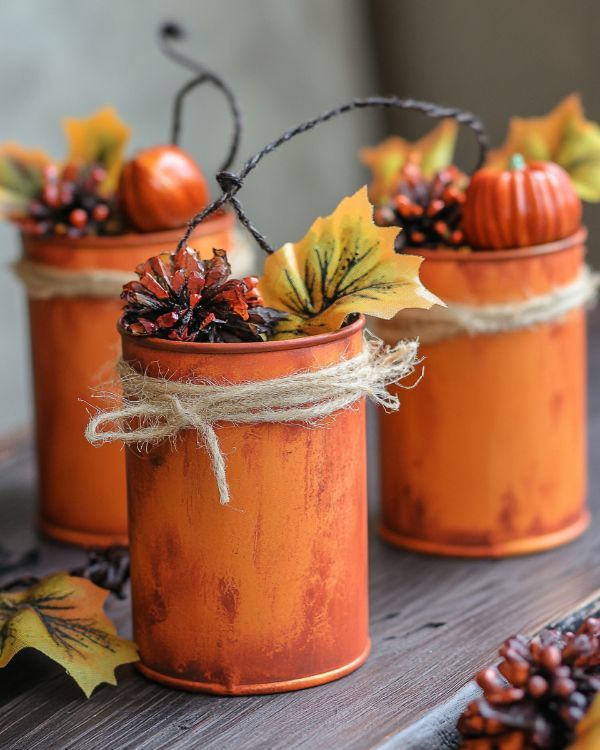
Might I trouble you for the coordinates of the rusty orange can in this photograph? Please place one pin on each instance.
(487, 457)
(74, 346)
(269, 593)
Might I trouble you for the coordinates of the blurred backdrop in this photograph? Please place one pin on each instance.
(287, 61)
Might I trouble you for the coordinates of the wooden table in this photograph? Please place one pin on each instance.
(434, 623)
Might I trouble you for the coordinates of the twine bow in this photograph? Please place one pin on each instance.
(161, 408)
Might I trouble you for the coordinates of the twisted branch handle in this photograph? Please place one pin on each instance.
(167, 34)
(231, 183)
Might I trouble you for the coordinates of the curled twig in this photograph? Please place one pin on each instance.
(231, 183)
(169, 33)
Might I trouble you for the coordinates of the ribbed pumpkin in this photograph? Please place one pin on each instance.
(524, 205)
(161, 188)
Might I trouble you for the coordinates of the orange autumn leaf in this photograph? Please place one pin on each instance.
(588, 729)
(537, 138)
(63, 617)
(345, 264)
(432, 152)
(21, 178)
(98, 139)
(563, 136)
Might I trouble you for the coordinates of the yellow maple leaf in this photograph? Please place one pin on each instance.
(21, 178)
(345, 264)
(63, 617)
(99, 139)
(563, 136)
(433, 152)
(588, 729)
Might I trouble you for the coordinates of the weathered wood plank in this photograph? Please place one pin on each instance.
(434, 623)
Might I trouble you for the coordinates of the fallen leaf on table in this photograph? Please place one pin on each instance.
(63, 617)
(344, 265)
(588, 729)
(98, 139)
(563, 136)
(432, 152)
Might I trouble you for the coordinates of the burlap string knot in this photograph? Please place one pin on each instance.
(456, 319)
(161, 408)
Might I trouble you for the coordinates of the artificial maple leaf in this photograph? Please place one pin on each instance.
(63, 617)
(344, 265)
(432, 152)
(98, 139)
(563, 136)
(21, 178)
(588, 729)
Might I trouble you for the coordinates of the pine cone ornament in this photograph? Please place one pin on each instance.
(538, 693)
(429, 211)
(181, 297)
(108, 568)
(70, 203)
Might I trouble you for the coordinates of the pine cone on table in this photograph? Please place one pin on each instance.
(538, 694)
(108, 568)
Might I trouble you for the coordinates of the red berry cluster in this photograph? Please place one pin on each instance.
(71, 203)
(429, 211)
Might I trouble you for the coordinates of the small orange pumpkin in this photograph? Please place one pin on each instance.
(162, 188)
(524, 205)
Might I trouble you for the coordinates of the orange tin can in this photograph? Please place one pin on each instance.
(74, 345)
(269, 593)
(487, 457)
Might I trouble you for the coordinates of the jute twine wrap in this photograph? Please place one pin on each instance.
(440, 323)
(43, 281)
(153, 409)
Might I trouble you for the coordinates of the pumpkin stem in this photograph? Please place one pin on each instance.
(170, 32)
(517, 162)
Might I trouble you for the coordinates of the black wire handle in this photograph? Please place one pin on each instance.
(167, 34)
(232, 183)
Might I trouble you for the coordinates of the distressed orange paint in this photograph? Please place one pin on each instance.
(269, 593)
(487, 457)
(74, 344)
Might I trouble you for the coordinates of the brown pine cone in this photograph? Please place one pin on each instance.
(71, 203)
(181, 297)
(536, 696)
(429, 211)
(108, 568)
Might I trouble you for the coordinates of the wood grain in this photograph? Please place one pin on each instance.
(434, 623)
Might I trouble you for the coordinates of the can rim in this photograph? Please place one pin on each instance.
(244, 347)
(478, 256)
(216, 223)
